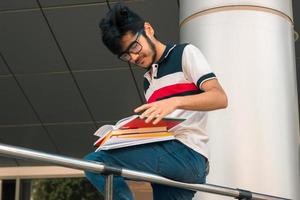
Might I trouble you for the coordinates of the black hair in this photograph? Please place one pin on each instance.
(117, 22)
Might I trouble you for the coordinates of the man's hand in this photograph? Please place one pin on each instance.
(157, 110)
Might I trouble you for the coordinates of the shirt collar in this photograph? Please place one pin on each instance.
(166, 52)
(168, 49)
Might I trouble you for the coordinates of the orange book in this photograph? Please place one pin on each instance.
(102, 140)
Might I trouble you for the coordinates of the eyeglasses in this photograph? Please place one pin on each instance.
(135, 47)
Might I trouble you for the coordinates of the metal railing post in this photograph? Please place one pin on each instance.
(109, 187)
(17, 188)
(1, 181)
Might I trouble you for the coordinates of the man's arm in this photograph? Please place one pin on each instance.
(212, 98)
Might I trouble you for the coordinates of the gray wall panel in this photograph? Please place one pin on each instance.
(74, 140)
(17, 4)
(13, 105)
(111, 94)
(162, 15)
(46, 3)
(55, 98)
(49, 3)
(77, 31)
(27, 44)
(33, 137)
(3, 68)
(29, 137)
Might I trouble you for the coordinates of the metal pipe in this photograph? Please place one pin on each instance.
(50, 158)
(130, 174)
(1, 189)
(109, 187)
(17, 189)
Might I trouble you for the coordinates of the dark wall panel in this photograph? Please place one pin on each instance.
(162, 15)
(29, 137)
(110, 94)
(3, 68)
(27, 44)
(47, 3)
(17, 4)
(13, 105)
(55, 98)
(74, 140)
(77, 31)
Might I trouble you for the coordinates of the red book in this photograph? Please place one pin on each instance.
(140, 123)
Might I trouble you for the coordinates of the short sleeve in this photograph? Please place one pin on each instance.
(195, 66)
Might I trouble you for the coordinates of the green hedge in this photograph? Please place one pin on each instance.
(64, 189)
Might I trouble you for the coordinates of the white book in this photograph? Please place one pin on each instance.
(115, 143)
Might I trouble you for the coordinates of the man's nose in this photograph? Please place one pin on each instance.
(134, 57)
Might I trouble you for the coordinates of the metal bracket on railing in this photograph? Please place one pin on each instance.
(244, 194)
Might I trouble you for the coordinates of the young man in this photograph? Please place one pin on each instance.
(178, 83)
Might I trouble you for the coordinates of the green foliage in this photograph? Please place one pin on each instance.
(64, 189)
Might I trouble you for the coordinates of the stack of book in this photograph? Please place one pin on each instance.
(134, 131)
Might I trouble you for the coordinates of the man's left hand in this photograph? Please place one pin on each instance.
(157, 110)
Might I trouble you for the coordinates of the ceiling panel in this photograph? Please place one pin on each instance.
(166, 23)
(77, 31)
(111, 94)
(46, 3)
(27, 44)
(74, 140)
(55, 97)
(33, 137)
(17, 4)
(27, 136)
(3, 68)
(49, 3)
(13, 105)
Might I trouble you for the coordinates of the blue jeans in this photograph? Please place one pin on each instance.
(170, 159)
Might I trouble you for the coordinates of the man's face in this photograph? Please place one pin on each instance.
(138, 49)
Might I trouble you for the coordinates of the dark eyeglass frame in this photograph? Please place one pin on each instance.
(126, 55)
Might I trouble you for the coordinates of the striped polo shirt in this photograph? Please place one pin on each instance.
(181, 71)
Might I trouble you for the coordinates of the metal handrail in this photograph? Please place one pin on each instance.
(110, 171)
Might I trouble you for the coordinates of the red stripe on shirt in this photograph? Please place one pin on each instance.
(171, 90)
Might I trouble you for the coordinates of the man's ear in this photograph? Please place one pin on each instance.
(148, 29)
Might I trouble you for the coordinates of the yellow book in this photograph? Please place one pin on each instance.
(144, 135)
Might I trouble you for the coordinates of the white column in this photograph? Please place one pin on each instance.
(250, 46)
(18, 188)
